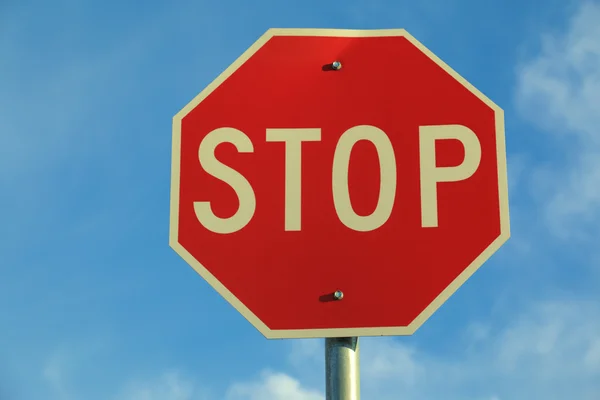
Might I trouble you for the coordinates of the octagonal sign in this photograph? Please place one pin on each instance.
(338, 183)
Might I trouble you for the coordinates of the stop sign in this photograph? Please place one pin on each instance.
(338, 183)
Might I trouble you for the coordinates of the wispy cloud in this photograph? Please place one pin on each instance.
(61, 374)
(559, 90)
(272, 386)
(168, 386)
(64, 137)
(550, 351)
(53, 374)
(62, 370)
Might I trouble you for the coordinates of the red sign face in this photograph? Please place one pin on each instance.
(338, 183)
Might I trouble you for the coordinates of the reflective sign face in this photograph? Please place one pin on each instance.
(328, 161)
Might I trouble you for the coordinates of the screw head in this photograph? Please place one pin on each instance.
(336, 65)
(338, 295)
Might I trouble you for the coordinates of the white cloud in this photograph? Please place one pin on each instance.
(304, 350)
(272, 386)
(387, 360)
(551, 342)
(62, 368)
(169, 386)
(60, 372)
(550, 351)
(53, 374)
(559, 89)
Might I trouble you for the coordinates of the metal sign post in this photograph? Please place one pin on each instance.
(342, 369)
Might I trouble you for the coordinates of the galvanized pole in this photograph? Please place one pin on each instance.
(342, 371)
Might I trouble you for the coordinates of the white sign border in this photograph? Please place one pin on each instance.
(344, 332)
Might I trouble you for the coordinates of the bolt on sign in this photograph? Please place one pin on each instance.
(337, 183)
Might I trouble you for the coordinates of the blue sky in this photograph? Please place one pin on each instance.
(97, 306)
